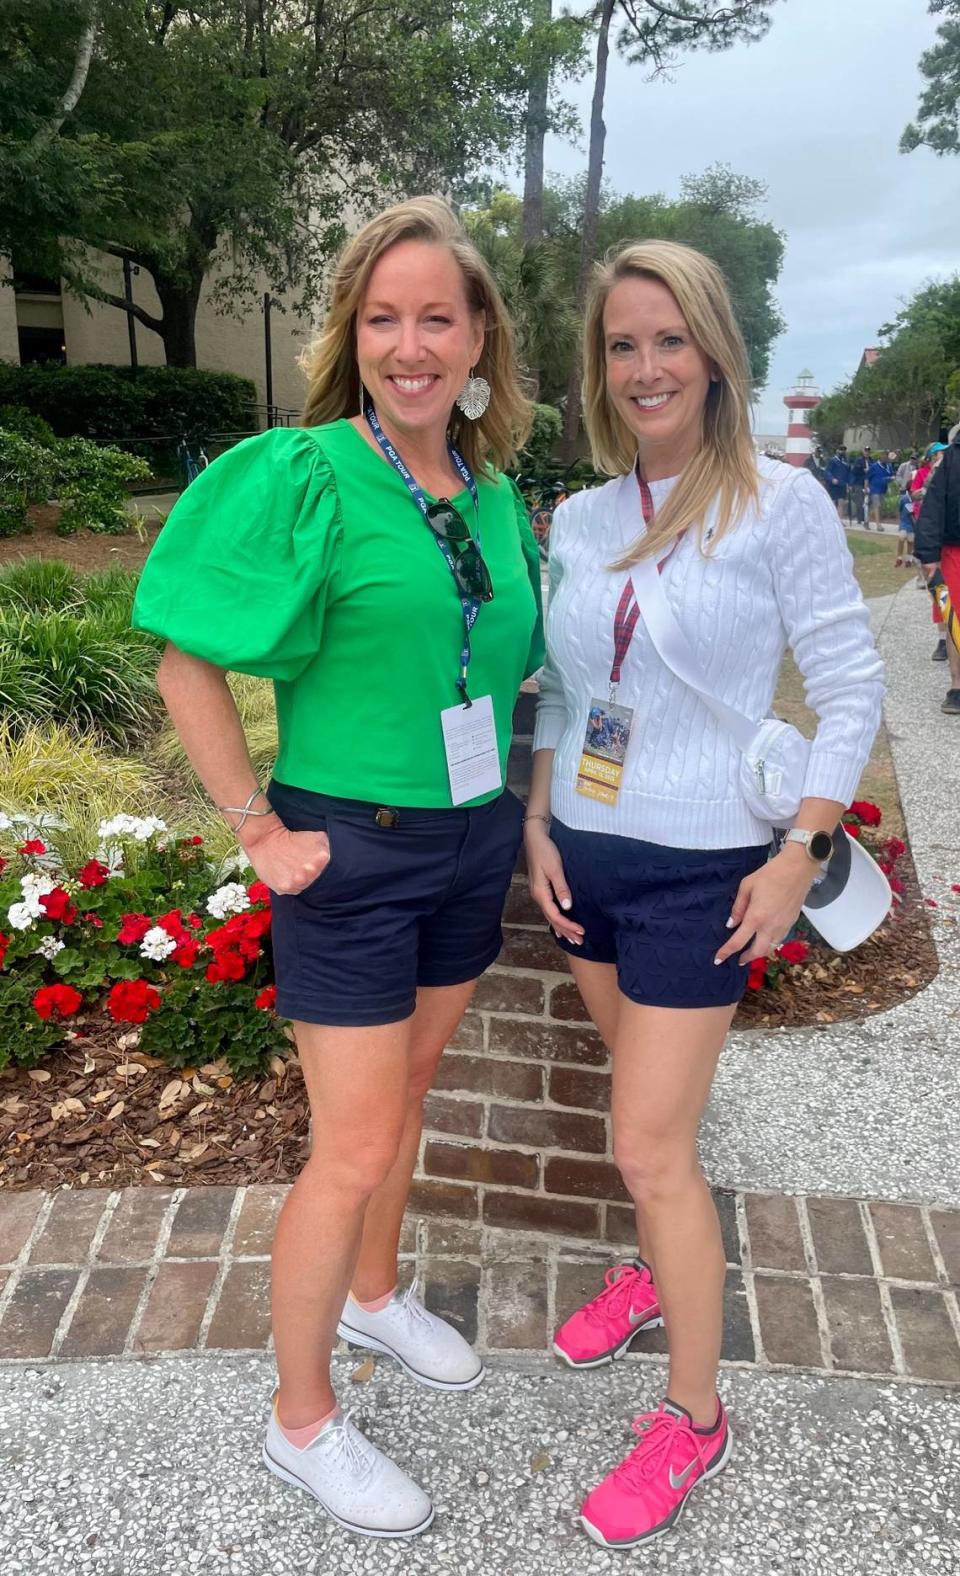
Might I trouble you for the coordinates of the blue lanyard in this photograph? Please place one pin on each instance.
(471, 605)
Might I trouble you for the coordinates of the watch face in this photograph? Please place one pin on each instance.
(820, 846)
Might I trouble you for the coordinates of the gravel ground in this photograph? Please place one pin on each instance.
(154, 1470)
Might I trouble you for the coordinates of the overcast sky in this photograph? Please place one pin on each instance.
(815, 111)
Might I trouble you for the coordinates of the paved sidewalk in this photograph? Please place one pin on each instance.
(834, 1153)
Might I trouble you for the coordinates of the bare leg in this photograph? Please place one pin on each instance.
(664, 1062)
(597, 984)
(357, 1085)
(439, 1010)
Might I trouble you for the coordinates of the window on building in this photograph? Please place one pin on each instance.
(41, 344)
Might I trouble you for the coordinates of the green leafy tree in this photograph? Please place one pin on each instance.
(652, 33)
(938, 122)
(234, 132)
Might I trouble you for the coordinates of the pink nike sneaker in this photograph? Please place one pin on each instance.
(644, 1496)
(603, 1329)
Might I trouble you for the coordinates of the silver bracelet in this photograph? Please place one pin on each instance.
(536, 817)
(243, 811)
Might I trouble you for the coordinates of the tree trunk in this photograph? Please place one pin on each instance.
(178, 331)
(541, 12)
(591, 222)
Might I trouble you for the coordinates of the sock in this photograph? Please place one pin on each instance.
(300, 1438)
(375, 1307)
(714, 1425)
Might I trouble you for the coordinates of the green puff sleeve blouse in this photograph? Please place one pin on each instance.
(299, 556)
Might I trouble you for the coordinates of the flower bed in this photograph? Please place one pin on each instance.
(104, 938)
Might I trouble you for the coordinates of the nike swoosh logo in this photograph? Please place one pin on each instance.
(638, 1318)
(678, 1480)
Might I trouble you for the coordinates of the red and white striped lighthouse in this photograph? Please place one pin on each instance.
(799, 402)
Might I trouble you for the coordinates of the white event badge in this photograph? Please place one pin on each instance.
(470, 745)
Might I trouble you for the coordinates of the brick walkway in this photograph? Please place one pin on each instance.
(829, 1285)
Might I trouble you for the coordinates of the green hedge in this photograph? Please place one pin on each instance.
(116, 402)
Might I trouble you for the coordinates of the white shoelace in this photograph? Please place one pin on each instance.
(348, 1445)
(410, 1306)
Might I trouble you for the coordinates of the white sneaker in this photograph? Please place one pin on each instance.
(356, 1483)
(431, 1351)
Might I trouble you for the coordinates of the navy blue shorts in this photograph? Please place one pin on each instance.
(660, 914)
(418, 903)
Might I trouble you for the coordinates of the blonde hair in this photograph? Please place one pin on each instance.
(330, 363)
(725, 466)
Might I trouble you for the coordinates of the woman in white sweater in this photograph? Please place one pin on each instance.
(643, 855)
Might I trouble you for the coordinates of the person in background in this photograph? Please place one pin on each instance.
(938, 545)
(859, 468)
(838, 478)
(878, 480)
(918, 488)
(904, 476)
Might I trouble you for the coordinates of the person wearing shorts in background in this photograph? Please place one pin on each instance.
(904, 476)
(938, 546)
(654, 875)
(375, 561)
(918, 489)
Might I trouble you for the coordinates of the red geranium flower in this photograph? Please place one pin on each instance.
(57, 905)
(131, 1000)
(133, 928)
(228, 966)
(758, 974)
(94, 920)
(870, 814)
(896, 885)
(4, 944)
(267, 998)
(32, 846)
(852, 828)
(955, 887)
(793, 951)
(893, 848)
(60, 1001)
(258, 892)
(93, 874)
(194, 921)
(3, 866)
(186, 954)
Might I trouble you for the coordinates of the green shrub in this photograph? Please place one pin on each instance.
(544, 436)
(27, 470)
(116, 402)
(14, 520)
(16, 418)
(85, 672)
(109, 595)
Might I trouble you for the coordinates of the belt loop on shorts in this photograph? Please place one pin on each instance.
(387, 817)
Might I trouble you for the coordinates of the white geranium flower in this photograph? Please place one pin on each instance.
(157, 945)
(21, 916)
(140, 828)
(33, 888)
(49, 947)
(229, 899)
(5, 822)
(234, 864)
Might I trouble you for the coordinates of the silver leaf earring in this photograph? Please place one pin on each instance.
(474, 397)
(363, 399)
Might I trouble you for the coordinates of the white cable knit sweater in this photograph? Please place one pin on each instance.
(783, 576)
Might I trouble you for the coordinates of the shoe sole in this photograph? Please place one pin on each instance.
(596, 1536)
(290, 1478)
(369, 1343)
(614, 1354)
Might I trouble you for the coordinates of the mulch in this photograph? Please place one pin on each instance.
(88, 550)
(100, 1113)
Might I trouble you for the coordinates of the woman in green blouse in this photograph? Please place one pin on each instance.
(379, 568)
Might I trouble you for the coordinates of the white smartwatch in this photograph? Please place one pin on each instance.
(819, 845)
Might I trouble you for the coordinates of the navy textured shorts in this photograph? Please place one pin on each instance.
(660, 914)
(418, 903)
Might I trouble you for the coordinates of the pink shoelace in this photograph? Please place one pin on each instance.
(657, 1432)
(616, 1299)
